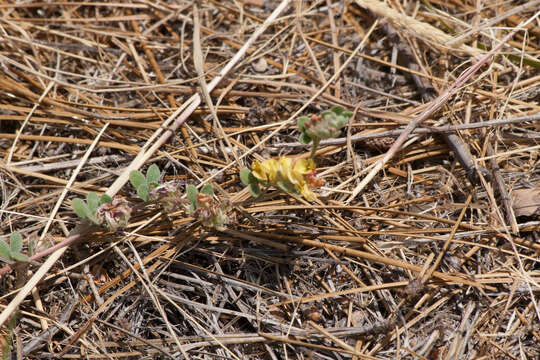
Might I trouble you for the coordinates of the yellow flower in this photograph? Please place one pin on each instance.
(287, 173)
(266, 171)
(295, 171)
(306, 192)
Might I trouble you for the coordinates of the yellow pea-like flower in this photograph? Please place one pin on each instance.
(288, 173)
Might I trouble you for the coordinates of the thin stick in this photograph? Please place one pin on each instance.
(20, 131)
(448, 241)
(503, 193)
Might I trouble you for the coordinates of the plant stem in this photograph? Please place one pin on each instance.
(314, 148)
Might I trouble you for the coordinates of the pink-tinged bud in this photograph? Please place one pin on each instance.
(315, 119)
(313, 181)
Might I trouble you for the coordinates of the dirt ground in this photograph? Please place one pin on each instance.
(422, 241)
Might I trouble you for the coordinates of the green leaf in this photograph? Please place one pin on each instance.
(341, 121)
(207, 189)
(253, 179)
(137, 179)
(302, 120)
(143, 191)
(347, 114)
(191, 209)
(5, 251)
(304, 138)
(89, 214)
(326, 114)
(245, 176)
(254, 189)
(93, 201)
(79, 206)
(337, 109)
(191, 193)
(285, 186)
(93, 219)
(83, 211)
(152, 175)
(15, 242)
(105, 199)
(19, 257)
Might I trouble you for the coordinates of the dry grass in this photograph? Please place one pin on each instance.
(429, 259)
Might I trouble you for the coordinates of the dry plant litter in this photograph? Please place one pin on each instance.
(418, 239)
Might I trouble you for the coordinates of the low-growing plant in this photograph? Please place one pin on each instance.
(168, 194)
(323, 126)
(13, 250)
(205, 208)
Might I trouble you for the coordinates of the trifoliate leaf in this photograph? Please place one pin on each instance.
(207, 189)
(137, 179)
(152, 175)
(19, 257)
(5, 251)
(191, 194)
(143, 191)
(93, 201)
(15, 242)
(326, 114)
(85, 210)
